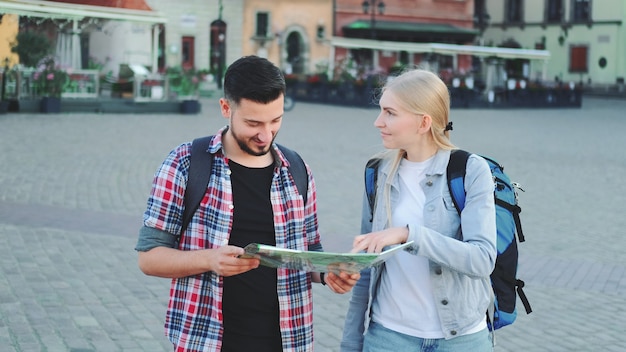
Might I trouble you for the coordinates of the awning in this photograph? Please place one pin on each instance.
(410, 31)
(52, 9)
(439, 48)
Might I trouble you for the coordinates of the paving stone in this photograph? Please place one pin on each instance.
(74, 188)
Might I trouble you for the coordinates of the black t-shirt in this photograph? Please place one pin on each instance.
(250, 302)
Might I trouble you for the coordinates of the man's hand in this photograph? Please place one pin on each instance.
(341, 283)
(225, 261)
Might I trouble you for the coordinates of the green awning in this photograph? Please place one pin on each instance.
(410, 31)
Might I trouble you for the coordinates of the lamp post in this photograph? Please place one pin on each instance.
(481, 21)
(220, 59)
(4, 78)
(221, 39)
(369, 7)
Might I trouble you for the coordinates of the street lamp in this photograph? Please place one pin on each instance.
(4, 78)
(371, 9)
(481, 21)
(220, 56)
(221, 41)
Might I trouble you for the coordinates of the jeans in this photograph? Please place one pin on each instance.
(379, 339)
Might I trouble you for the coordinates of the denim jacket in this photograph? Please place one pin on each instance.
(461, 249)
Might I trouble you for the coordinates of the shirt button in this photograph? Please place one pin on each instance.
(438, 271)
(231, 207)
(429, 183)
(444, 302)
(453, 332)
(228, 172)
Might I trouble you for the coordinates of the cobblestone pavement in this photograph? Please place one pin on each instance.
(73, 189)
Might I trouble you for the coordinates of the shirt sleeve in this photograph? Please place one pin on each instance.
(150, 238)
(162, 220)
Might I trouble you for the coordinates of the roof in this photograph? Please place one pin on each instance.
(73, 9)
(409, 31)
(123, 4)
(440, 48)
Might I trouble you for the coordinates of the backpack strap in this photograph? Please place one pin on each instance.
(519, 284)
(515, 210)
(200, 173)
(297, 169)
(455, 173)
(371, 177)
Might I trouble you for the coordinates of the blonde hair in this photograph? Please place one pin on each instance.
(420, 92)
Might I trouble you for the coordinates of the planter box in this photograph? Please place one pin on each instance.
(189, 107)
(4, 106)
(50, 105)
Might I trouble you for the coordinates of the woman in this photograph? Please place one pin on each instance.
(434, 295)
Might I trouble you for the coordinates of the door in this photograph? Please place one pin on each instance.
(188, 52)
(294, 52)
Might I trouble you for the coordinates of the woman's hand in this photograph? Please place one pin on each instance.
(374, 242)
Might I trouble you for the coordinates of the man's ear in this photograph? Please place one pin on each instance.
(225, 108)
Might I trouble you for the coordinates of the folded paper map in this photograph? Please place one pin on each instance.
(318, 261)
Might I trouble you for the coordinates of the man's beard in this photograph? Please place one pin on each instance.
(246, 148)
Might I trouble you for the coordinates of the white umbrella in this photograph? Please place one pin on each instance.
(68, 49)
(75, 51)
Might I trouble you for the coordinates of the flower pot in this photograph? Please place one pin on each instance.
(50, 105)
(189, 107)
(4, 106)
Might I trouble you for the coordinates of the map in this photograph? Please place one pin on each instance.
(318, 261)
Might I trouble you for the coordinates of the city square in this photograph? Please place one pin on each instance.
(74, 188)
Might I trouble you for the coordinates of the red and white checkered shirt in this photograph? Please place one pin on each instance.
(194, 320)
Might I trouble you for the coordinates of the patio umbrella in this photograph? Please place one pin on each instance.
(68, 49)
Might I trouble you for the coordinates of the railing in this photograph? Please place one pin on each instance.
(366, 95)
(82, 84)
(146, 88)
(18, 84)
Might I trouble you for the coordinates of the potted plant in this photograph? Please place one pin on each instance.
(185, 83)
(49, 81)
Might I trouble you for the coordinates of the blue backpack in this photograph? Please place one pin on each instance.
(504, 281)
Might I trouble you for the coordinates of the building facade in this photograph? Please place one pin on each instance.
(8, 31)
(404, 21)
(191, 38)
(586, 38)
(294, 34)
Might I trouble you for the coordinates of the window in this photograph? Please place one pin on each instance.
(514, 13)
(320, 31)
(578, 55)
(554, 11)
(262, 24)
(581, 10)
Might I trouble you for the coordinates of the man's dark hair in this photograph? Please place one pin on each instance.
(253, 78)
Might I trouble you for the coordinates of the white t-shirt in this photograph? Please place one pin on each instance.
(405, 302)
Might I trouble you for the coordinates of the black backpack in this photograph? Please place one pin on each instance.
(504, 281)
(200, 172)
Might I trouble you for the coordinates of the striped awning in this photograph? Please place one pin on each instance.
(60, 10)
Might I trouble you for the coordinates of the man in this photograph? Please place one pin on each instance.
(218, 301)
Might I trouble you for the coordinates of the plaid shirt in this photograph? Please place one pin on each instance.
(194, 320)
